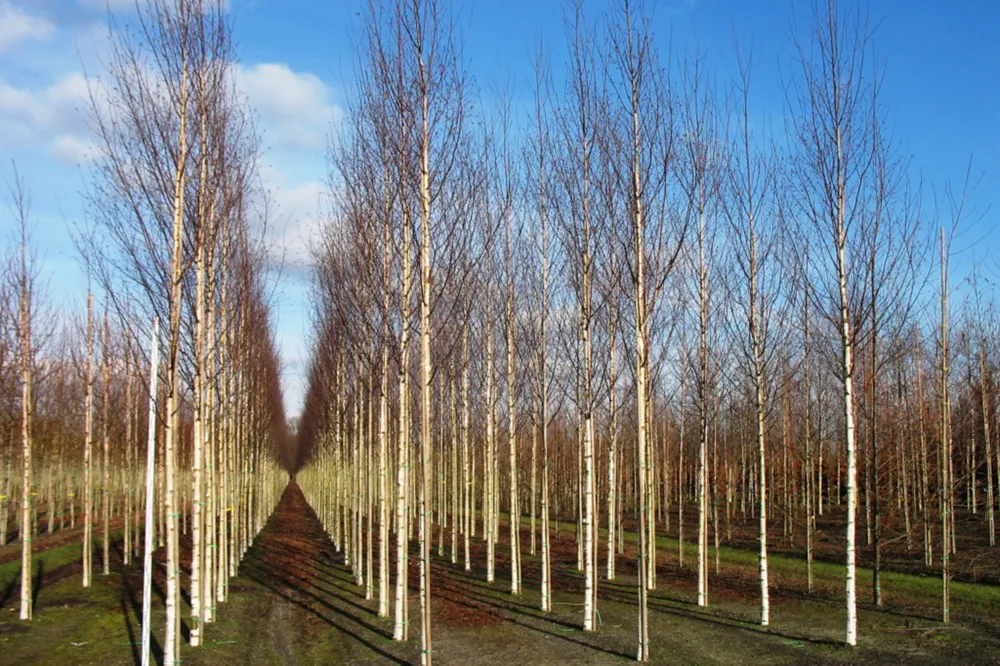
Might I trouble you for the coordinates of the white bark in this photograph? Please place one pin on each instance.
(987, 443)
(88, 518)
(147, 557)
(105, 463)
(27, 495)
(946, 473)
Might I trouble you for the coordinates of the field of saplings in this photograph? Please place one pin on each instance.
(629, 358)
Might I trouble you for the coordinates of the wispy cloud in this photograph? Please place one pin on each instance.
(123, 5)
(112, 5)
(296, 109)
(53, 116)
(17, 26)
(296, 112)
(295, 224)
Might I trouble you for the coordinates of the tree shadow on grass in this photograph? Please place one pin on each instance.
(511, 615)
(331, 574)
(8, 590)
(304, 594)
(904, 612)
(465, 589)
(15, 583)
(132, 598)
(663, 606)
(303, 585)
(36, 584)
(482, 593)
(331, 621)
(136, 654)
(629, 590)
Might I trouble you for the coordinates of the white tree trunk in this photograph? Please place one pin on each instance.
(88, 517)
(147, 557)
(27, 496)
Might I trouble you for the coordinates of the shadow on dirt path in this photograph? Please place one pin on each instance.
(293, 558)
(474, 622)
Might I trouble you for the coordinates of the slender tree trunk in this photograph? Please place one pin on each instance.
(131, 464)
(210, 429)
(612, 443)
(714, 483)
(88, 517)
(105, 466)
(147, 557)
(946, 475)
(810, 499)
(589, 472)
(642, 355)
(455, 495)
(198, 430)
(468, 490)
(987, 443)
(680, 458)
(534, 484)
(401, 624)
(543, 393)
(27, 407)
(383, 453)
(847, 363)
(876, 527)
(765, 602)
(369, 487)
(425, 355)
(171, 646)
(702, 410)
(514, 518)
(489, 487)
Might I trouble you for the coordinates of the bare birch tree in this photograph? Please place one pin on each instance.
(835, 117)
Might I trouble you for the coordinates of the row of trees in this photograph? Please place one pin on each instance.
(173, 234)
(634, 268)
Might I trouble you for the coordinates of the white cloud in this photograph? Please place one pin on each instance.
(112, 5)
(125, 5)
(15, 100)
(295, 224)
(16, 26)
(299, 205)
(70, 89)
(294, 227)
(296, 113)
(295, 108)
(73, 149)
(55, 117)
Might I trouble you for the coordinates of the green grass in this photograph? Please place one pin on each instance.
(46, 560)
(971, 598)
(259, 626)
(923, 590)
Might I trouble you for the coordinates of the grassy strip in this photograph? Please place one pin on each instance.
(45, 560)
(981, 599)
(921, 590)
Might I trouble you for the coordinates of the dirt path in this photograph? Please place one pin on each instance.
(474, 622)
(295, 560)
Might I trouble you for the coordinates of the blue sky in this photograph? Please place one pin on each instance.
(942, 89)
